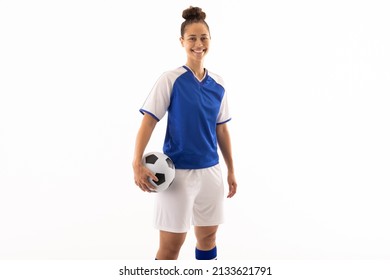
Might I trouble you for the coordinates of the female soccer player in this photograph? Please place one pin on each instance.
(196, 102)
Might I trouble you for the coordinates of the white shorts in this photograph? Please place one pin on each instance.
(195, 196)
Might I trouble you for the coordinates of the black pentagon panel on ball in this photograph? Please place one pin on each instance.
(160, 177)
(151, 159)
(170, 163)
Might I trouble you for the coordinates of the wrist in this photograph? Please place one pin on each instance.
(230, 170)
(137, 163)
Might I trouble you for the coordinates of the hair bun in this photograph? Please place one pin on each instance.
(194, 13)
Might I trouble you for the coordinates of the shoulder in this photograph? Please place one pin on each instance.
(173, 74)
(217, 78)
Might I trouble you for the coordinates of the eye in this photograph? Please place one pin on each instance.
(192, 38)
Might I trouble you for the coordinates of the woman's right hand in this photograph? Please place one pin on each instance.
(141, 177)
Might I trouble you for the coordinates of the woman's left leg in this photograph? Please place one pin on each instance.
(206, 248)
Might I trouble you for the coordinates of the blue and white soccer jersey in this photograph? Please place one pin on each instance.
(195, 107)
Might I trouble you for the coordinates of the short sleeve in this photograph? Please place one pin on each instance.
(224, 113)
(158, 100)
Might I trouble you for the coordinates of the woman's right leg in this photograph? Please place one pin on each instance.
(170, 245)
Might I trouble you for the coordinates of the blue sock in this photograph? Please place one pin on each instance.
(206, 255)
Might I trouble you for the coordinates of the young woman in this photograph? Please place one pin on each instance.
(196, 103)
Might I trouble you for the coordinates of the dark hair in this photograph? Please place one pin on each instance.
(193, 15)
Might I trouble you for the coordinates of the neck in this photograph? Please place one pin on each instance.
(197, 68)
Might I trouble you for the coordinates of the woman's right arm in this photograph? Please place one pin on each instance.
(141, 173)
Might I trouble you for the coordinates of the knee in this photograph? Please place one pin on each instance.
(206, 242)
(168, 252)
(169, 249)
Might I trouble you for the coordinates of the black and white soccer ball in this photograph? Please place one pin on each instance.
(163, 168)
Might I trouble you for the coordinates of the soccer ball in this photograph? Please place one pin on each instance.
(162, 166)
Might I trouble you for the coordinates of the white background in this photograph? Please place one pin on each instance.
(309, 85)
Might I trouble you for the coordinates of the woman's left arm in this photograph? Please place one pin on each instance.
(225, 146)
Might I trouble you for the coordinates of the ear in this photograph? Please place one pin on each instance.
(182, 41)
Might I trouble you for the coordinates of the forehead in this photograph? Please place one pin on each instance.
(197, 28)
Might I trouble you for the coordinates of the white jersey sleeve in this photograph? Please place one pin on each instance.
(159, 98)
(157, 102)
(224, 113)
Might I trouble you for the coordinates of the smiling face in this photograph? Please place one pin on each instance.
(196, 40)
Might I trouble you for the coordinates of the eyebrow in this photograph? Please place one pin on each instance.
(193, 35)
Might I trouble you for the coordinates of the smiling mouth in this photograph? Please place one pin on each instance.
(198, 51)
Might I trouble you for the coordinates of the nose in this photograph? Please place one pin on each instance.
(199, 43)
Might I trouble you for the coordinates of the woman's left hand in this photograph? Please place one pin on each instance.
(232, 185)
